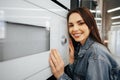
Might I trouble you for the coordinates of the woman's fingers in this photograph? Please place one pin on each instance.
(56, 63)
(71, 52)
(71, 44)
(71, 48)
(56, 55)
(52, 65)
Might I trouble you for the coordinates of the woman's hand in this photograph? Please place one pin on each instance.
(71, 52)
(56, 63)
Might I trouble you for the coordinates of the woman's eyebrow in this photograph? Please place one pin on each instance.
(76, 21)
(70, 23)
(80, 21)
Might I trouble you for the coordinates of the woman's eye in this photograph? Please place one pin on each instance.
(70, 25)
(81, 23)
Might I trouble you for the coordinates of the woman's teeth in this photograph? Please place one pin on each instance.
(77, 35)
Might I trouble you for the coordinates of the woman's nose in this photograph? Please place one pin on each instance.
(75, 27)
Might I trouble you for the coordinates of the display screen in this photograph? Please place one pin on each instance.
(23, 40)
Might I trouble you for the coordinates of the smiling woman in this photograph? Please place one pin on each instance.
(91, 57)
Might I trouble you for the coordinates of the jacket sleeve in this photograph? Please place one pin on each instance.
(68, 73)
(64, 77)
(98, 69)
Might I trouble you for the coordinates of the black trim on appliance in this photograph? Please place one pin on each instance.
(60, 4)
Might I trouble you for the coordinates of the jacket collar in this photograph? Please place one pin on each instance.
(85, 47)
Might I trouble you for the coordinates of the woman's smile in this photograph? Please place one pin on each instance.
(77, 35)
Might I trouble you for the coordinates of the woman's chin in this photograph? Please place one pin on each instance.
(77, 40)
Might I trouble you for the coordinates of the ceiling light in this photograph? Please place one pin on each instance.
(98, 18)
(114, 9)
(115, 17)
(95, 11)
(114, 23)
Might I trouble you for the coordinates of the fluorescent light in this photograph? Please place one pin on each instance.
(115, 17)
(99, 24)
(114, 23)
(98, 18)
(115, 26)
(114, 9)
(95, 11)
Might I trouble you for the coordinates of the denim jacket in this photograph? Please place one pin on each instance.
(93, 62)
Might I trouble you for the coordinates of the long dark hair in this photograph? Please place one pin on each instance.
(90, 22)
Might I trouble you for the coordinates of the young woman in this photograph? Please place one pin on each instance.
(89, 59)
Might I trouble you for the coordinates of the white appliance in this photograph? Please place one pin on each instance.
(32, 28)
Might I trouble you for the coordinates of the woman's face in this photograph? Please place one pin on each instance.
(78, 28)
